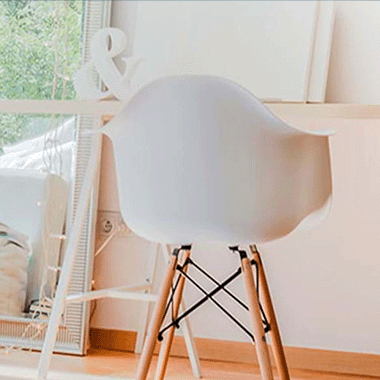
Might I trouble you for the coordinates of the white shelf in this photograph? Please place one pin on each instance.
(326, 110)
(106, 107)
(111, 107)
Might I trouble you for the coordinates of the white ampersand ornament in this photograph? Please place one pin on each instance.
(118, 85)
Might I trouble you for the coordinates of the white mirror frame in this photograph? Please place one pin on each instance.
(73, 335)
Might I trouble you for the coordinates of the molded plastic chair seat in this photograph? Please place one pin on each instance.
(198, 158)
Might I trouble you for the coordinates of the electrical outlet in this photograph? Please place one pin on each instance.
(108, 221)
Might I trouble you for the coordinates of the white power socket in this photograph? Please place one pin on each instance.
(108, 221)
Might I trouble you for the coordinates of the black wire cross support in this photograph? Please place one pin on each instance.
(209, 296)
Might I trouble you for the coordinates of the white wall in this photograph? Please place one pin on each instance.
(221, 38)
(354, 75)
(325, 282)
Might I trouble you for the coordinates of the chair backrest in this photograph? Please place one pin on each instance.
(198, 158)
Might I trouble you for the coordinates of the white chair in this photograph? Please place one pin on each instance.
(198, 158)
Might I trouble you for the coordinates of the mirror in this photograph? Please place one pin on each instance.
(36, 185)
(43, 159)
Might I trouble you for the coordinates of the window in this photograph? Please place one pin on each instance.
(42, 45)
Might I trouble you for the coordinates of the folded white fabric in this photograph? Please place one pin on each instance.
(14, 256)
(32, 153)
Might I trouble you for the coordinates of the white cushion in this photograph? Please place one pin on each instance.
(14, 257)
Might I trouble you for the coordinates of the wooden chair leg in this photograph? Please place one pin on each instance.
(158, 314)
(187, 332)
(256, 322)
(274, 333)
(169, 336)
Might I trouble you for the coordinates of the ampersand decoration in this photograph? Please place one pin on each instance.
(106, 44)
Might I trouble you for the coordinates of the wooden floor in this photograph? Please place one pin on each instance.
(118, 365)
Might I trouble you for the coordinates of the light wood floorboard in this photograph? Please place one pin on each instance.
(123, 365)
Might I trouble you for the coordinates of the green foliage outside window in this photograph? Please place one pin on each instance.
(40, 49)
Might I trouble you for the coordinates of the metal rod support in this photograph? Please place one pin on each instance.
(209, 296)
